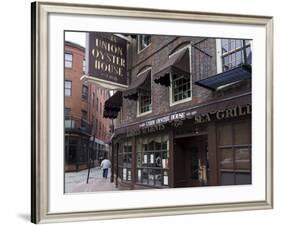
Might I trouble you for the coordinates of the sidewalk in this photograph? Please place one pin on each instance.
(76, 181)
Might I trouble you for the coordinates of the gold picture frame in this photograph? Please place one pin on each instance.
(40, 212)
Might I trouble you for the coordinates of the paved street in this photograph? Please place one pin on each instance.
(76, 181)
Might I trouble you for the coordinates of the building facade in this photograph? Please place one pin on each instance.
(87, 133)
(185, 119)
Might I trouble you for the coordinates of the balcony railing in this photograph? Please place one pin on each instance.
(76, 124)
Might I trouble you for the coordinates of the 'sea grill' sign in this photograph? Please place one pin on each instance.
(106, 58)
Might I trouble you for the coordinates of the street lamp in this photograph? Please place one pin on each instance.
(91, 139)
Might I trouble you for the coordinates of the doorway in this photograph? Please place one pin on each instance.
(191, 161)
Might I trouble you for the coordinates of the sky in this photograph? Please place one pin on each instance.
(76, 37)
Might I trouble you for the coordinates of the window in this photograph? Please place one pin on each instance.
(100, 108)
(152, 160)
(93, 99)
(145, 104)
(143, 41)
(68, 121)
(96, 126)
(84, 115)
(68, 60)
(67, 87)
(234, 53)
(125, 161)
(71, 149)
(85, 92)
(84, 65)
(97, 104)
(180, 88)
(235, 153)
(67, 112)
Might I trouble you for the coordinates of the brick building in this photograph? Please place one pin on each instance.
(87, 133)
(185, 118)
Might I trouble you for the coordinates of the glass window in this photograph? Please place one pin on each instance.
(97, 104)
(67, 87)
(181, 88)
(125, 161)
(84, 65)
(145, 104)
(152, 160)
(233, 52)
(85, 92)
(68, 60)
(143, 41)
(84, 115)
(234, 140)
(67, 112)
(71, 147)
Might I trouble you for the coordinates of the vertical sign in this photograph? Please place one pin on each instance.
(106, 58)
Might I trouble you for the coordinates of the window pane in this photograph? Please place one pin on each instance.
(242, 159)
(145, 176)
(242, 133)
(226, 159)
(67, 88)
(68, 60)
(181, 88)
(158, 177)
(225, 134)
(243, 178)
(151, 177)
(227, 179)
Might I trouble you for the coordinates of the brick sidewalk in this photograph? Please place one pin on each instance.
(76, 181)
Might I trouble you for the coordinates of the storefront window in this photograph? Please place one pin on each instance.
(152, 160)
(235, 153)
(125, 161)
(71, 146)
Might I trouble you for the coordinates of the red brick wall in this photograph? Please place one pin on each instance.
(77, 103)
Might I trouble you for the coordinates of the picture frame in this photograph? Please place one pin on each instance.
(41, 190)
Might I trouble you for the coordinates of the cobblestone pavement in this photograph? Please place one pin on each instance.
(76, 181)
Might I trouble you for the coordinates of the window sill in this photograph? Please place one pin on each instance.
(181, 101)
(144, 114)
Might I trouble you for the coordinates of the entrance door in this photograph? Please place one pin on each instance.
(190, 161)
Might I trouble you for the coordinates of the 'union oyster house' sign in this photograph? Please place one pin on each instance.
(177, 119)
(106, 60)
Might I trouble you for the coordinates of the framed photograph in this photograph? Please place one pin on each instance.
(145, 112)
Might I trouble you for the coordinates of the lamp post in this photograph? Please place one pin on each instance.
(91, 139)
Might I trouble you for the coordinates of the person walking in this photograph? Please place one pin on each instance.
(105, 165)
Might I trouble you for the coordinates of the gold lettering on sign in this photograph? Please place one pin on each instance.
(109, 57)
(224, 114)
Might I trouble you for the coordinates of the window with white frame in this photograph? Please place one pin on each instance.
(143, 41)
(67, 87)
(235, 52)
(145, 104)
(84, 65)
(67, 60)
(180, 88)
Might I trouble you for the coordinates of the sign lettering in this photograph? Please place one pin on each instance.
(106, 58)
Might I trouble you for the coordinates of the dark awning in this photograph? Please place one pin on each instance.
(177, 63)
(239, 73)
(141, 86)
(112, 105)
